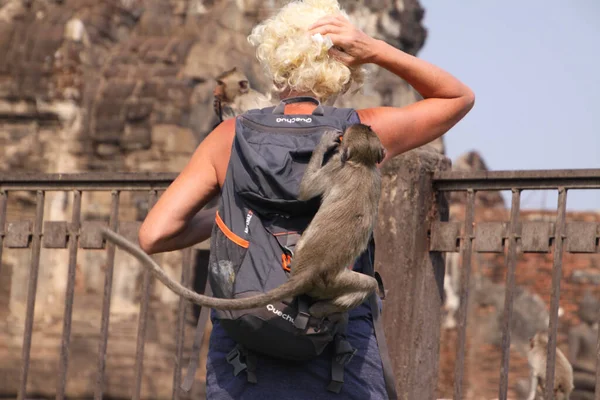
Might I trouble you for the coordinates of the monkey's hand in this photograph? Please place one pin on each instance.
(314, 182)
(329, 141)
(227, 112)
(217, 107)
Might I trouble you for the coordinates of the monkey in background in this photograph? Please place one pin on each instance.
(350, 185)
(563, 371)
(234, 96)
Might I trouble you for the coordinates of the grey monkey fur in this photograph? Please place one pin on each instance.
(563, 371)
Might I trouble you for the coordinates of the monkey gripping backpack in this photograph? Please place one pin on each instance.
(258, 223)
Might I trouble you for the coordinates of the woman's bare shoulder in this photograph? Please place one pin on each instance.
(221, 135)
(401, 129)
(217, 145)
(386, 122)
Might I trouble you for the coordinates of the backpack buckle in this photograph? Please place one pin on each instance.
(342, 356)
(301, 320)
(344, 352)
(234, 358)
(303, 316)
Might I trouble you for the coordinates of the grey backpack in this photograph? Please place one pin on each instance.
(258, 222)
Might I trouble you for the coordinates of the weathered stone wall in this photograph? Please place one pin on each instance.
(127, 85)
(116, 71)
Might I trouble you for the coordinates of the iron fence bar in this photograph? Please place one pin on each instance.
(3, 204)
(180, 330)
(143, 318)
(91, 187)
(89, 181)
(31, 291)
(554, 301)
(70, 292)
(108, 281)
(467, 249)
(443, 180)
(35, 178)
(534, 174)
(524, 180)
(511, 261)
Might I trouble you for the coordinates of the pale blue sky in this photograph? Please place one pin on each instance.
(535, 68)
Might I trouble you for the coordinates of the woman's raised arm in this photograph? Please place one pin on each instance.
(446, 100)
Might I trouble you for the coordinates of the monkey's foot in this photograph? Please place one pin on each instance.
(323, 309)
(340, 304)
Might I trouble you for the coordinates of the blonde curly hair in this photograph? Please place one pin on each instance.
(294, 60)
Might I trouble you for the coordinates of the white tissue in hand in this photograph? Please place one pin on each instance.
(325, 40)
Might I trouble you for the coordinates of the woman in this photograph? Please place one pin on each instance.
(293, 48)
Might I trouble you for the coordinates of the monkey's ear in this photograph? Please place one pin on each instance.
(382, 154)
(243, 86)
(345, 154)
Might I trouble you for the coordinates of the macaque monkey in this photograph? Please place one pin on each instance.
(563, 372)
(350, 185)
(234, 96)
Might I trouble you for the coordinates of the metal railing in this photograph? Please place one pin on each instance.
(515, 237)
(85, 235)
(465, 237)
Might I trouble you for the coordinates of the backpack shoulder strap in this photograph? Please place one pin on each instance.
(388, 372)
(196, 347)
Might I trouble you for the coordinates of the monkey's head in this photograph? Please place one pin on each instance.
(361, 144)
(539, 339)
(561, 393)
(231, 84)
(589, 308)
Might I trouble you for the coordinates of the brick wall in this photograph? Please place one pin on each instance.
(533, 278)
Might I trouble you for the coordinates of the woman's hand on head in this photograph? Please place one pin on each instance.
(352, 46)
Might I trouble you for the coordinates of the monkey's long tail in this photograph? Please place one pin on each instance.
(292, 287)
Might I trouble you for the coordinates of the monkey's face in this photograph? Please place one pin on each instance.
(230, 85)
(589, 314)
(361, 144)
(228, 91)
(539, 339)
(560, 393)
